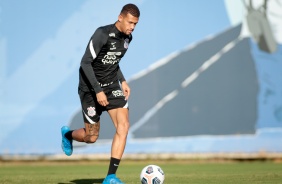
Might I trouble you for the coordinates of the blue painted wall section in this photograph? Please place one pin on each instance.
(222, 92)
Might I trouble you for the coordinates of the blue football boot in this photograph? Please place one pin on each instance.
(112, 179)
(66, 143)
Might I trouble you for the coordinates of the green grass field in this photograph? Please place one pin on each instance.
(176, 172)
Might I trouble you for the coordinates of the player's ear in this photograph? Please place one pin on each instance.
(120, 18)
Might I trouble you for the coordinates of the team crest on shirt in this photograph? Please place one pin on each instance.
(91, 111)
(126, 43)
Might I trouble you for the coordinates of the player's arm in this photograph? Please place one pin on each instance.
(124, 85)
(95, 44)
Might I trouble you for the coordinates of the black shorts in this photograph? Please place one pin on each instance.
(92, 110)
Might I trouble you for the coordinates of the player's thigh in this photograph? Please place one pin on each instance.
(91, 110)
(119, 117)
(92, 129)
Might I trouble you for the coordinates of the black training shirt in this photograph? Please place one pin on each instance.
(99, 66)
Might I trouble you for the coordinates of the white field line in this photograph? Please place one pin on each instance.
(208, 63)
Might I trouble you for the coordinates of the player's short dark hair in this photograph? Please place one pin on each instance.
(130, 8)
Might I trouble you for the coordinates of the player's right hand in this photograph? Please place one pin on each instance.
(102, 98)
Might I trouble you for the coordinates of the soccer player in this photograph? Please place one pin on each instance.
(102, 87)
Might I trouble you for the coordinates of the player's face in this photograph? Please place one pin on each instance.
(127, 23)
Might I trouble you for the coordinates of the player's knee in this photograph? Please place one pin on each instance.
(91, 138)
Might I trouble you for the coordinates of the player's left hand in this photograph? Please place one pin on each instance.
(125, 89)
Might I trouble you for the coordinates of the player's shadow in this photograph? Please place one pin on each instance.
(85, 181)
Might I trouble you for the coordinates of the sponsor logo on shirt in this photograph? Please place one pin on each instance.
(111, 58)
(112, 35)
(113, 46)
(107, 84)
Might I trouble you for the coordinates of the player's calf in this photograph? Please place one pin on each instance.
(123, 128)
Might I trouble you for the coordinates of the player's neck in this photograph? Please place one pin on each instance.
(117, 24)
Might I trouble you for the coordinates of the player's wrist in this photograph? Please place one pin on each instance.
(97, 90)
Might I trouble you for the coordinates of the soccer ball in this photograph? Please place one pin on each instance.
(152, 174)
